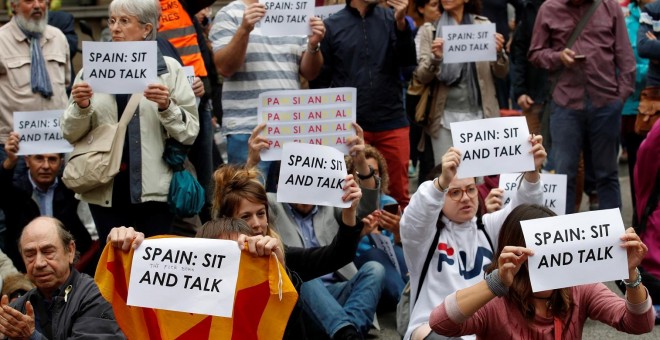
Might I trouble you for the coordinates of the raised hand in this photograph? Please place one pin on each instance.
(510, 261)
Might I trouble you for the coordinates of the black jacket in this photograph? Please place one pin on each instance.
(525, 77)
(368, 53)
(84, 315)
(304, 264)
(16, 200)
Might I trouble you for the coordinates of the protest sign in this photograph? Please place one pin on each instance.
(169, 273)
(554, 190)
(189, 72)
(468, 43)
(119, 67)
(286, 17)
(325, 12)
(40, 132)
(492, 146)
(312, 174)
(384, 243)
(322, 117)
(575, 249)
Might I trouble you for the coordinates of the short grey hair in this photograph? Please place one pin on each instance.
(146, 11)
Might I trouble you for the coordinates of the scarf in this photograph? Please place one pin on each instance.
(39, 77)
(450, 74)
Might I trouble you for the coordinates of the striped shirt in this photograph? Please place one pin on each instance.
(271, 63)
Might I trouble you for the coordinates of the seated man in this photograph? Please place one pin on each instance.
(38, 192)
(343, 303)
(65, 303)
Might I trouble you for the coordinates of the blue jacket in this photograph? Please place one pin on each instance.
(650, 49)
(368, 53)
(632, 24)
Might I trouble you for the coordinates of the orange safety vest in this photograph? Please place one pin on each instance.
(264, 300)
(177, 27)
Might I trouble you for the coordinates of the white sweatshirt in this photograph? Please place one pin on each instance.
(464, 249)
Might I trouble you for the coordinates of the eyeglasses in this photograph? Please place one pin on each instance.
(457, 193)
(123, 21)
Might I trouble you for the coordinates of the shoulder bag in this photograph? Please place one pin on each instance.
(96, 158)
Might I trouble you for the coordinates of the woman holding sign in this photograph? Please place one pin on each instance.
(503, 305)
(137, 196)
(446, 245)
(461, 91)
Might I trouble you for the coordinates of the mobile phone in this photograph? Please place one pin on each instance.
(580, 57)
(391, 208)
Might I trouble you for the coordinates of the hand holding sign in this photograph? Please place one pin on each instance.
(159, 94)
(636, 250)
(450, 162)
(494, 200)
(256, 143)
(259, 245)
(11, 149)
(318, 32)
(436, 47)
(125, 238)
(509, 262)
(400, 7)
(253, 13)
(82, 94)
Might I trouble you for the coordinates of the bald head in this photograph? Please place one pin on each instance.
(48, 251)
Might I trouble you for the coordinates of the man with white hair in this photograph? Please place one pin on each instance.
(34, 69)
(34, 64)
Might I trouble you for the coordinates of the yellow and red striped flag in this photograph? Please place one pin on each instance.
(260, 311)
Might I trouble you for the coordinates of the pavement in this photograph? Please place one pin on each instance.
(592, 329)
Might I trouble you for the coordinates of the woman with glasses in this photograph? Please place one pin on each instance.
(442, 220)
(137, 196)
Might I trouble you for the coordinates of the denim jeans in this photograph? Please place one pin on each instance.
(237, 153)
(599, 128)
(345, 303)
(394, 280)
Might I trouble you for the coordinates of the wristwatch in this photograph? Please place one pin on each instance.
(367, 176)
(315, 49)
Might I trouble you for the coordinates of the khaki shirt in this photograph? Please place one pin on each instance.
(15, 66)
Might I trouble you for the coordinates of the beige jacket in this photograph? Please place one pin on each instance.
(15, 66)
(428, 68)
(179, 121)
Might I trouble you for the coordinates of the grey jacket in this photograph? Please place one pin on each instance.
(85, 313)
(325, 222)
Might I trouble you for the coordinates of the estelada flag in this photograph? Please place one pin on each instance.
(263, 303)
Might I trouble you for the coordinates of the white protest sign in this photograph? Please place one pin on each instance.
(384, 243)
(575, 249)
(40, 132)
(286, 17)
(325, 12)
(322, 117)
(468, 43)
(169, 273)
(119, 67)
(312, 174)
(492, 146)
(189, 72)
(554, 190)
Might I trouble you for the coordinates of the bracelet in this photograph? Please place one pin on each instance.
(495, 283)
(437, 179)
(315, 49)
(635, 283)
(367, 176)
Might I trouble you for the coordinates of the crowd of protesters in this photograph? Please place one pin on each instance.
(579, 71)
